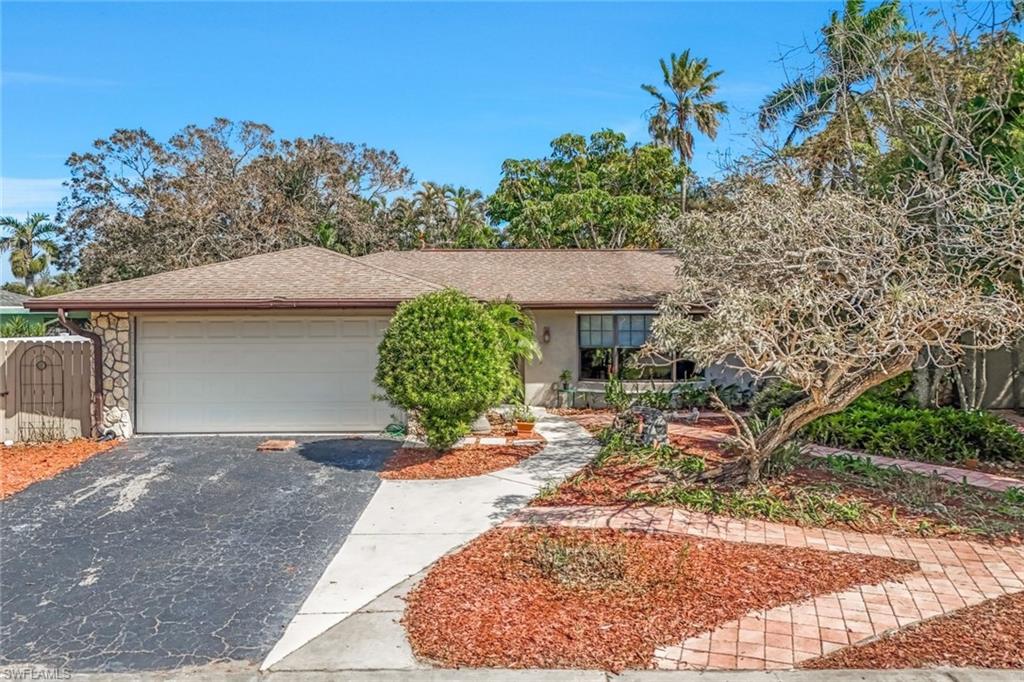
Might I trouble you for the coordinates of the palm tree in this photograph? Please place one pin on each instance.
(469, 219)
(833, 102)
(687, 102)
(31, 245)
(432, 211)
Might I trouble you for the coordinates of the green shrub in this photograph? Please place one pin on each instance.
(19, 326)
(690, 394)
(876, 425)
(438, 361)
(773, 398)
(658, 398)
(518, 344)
(615, 395)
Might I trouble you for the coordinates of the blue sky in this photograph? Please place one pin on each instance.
(453, 88)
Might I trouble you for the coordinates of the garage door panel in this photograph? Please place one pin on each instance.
(254, 329)
(258, 375)
(320, 329)
(222, 330)
(290, 329)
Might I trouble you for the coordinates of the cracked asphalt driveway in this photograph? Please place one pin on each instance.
(170, 552)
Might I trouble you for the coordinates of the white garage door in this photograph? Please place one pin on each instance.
(258, 374)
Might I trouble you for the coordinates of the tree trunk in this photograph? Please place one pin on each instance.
(806, 411)
(683, 192)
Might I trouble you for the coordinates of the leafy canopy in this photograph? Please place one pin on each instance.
(441, 216)
(138, 205)
(685, 102)
(600, 193)
(31, 246)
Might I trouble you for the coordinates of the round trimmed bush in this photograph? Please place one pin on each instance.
(442, 360)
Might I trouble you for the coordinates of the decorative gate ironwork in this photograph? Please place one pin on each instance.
(41, 394)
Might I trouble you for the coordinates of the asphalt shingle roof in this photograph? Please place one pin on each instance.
(9, 299)
(545, 277)
(312, 277)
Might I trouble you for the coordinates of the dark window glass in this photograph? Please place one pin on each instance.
(686, 369)
(596, 331)
(595, 363)
(635, 365)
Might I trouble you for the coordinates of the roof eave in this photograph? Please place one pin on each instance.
(129, 305)
(212, 304)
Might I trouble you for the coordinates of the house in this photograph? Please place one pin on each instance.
(286, 342)
(12, 306)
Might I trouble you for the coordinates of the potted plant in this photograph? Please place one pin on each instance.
(524, 420)
(566, 378)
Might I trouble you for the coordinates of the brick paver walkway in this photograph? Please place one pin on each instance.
(978, 479)
(952, 575)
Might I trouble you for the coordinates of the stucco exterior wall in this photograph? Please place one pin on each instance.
(541, 378)
(1004, 369)
(559, 353)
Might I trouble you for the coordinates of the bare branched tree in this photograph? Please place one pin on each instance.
(139, 206)
(834, 293)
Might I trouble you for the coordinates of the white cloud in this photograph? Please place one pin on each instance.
(19, 196)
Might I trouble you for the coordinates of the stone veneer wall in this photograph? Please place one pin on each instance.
(115, 331)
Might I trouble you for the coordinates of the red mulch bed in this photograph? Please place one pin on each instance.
(494, 605)
(23, 465)
(609, 485)
(989, 635)
(409, 464)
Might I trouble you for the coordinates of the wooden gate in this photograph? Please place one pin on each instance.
(45, 388)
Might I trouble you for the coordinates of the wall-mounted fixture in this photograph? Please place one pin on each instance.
(546, 335)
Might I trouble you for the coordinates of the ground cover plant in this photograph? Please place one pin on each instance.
(887, 421)
(987, 635)
(24, 464)
(472, 460)
(944, 434)
(841, 491)
(570, 598)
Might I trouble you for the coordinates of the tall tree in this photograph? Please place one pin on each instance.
(686, 102)
(31, 246)
(836, 293)
(442, 216)
(828, 109)
(139, 206)
(596, 193)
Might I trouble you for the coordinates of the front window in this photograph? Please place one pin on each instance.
(610, 345)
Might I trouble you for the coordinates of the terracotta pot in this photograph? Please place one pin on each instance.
(524, 428)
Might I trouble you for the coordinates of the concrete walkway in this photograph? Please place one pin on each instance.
(408, 525)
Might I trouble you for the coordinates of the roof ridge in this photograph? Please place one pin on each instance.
(411, 278)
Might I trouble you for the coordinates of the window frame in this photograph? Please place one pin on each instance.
(616, 346)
